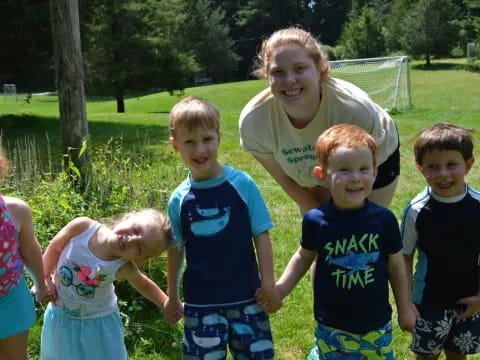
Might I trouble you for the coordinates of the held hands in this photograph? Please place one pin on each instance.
(269, 299)
(173, 311)
(407, 317)
(472, 306)
(44, 292)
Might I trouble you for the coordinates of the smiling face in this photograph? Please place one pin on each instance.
(444, 171)
(138, 237)
(199, 148)
(349, 176)
(294, 77)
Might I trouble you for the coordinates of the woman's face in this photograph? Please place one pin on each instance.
(294, 77)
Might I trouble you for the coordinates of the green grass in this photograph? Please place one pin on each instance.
(440, 93)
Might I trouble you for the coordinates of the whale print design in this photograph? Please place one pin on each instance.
(354, 262)
(214, 319)
(242, 329)
(252, 309)
(206, 342)
(210, 212)
(261, 345)
(215, 355)
(211, 225)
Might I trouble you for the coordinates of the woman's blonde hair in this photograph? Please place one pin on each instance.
(290, 36)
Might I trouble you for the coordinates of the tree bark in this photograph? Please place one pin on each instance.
(70, 83)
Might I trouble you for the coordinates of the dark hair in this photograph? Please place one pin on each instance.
(444, 136)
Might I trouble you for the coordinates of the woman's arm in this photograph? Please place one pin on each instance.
(306, 198)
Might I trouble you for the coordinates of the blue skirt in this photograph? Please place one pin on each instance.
(17, 310)
(79, 339)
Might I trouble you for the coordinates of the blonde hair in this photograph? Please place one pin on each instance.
(290, 36)
(444, 136)
(159, 220)
(191, 113)
(347, 135)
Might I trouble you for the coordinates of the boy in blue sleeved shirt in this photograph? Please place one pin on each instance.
(221, 224)
(442, 223)
(359, 252)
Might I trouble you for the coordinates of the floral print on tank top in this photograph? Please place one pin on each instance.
(11, 262)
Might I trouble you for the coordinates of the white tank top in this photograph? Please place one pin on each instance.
(84, 282)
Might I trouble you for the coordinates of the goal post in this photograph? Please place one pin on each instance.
(9, 90)
(385, 79)
(473, 52)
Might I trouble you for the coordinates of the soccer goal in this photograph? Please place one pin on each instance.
(473, 52)
(9, 91)
(385, 79)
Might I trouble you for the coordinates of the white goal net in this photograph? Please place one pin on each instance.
(385, 79)
(473, 52)
(9, 91)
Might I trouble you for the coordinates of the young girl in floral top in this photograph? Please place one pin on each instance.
(84, 320)
(18, 247)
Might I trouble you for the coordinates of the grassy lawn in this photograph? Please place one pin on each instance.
(439, 93)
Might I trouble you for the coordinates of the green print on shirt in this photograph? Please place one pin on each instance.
(353, 258)
(300, 150)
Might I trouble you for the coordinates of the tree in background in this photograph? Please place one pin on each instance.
(468, 22)
(327, 19)
(132, 46)
(362, 35)
(26, 45)
(429, 28)
(206, 34)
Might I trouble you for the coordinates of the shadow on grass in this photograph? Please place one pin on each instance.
(436, 66)
(46, 130)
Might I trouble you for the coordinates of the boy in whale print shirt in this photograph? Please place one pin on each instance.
(359, 252)
(219, 222)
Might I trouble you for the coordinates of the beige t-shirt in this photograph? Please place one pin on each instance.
(266, 131)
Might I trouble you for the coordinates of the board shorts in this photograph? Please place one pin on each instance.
(439, 330)
(334, 343)
(245, 328)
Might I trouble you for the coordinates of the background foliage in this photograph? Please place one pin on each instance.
(135, 167)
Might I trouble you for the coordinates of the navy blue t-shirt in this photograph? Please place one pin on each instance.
(351, 277)
(216, 221)
(446, 233)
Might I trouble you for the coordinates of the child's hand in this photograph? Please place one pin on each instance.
(45, 292)
(173, 311)
(472, 306)
(408, 317)
(269, 299)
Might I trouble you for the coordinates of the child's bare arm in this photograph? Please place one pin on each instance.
(295, 270)
(59, 241)
(407, 314)
(174, 308)
(28, 244)
(142, 283)
(263, 246)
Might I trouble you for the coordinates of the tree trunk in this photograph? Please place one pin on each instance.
(427, 59)
(69, 76)
(120, 104)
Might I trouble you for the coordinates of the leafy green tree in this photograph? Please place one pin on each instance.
(131, 45)
(429, 29)
(468, 22)
(362, 35)
(328, 18)
(207, 36)
(26, 45)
